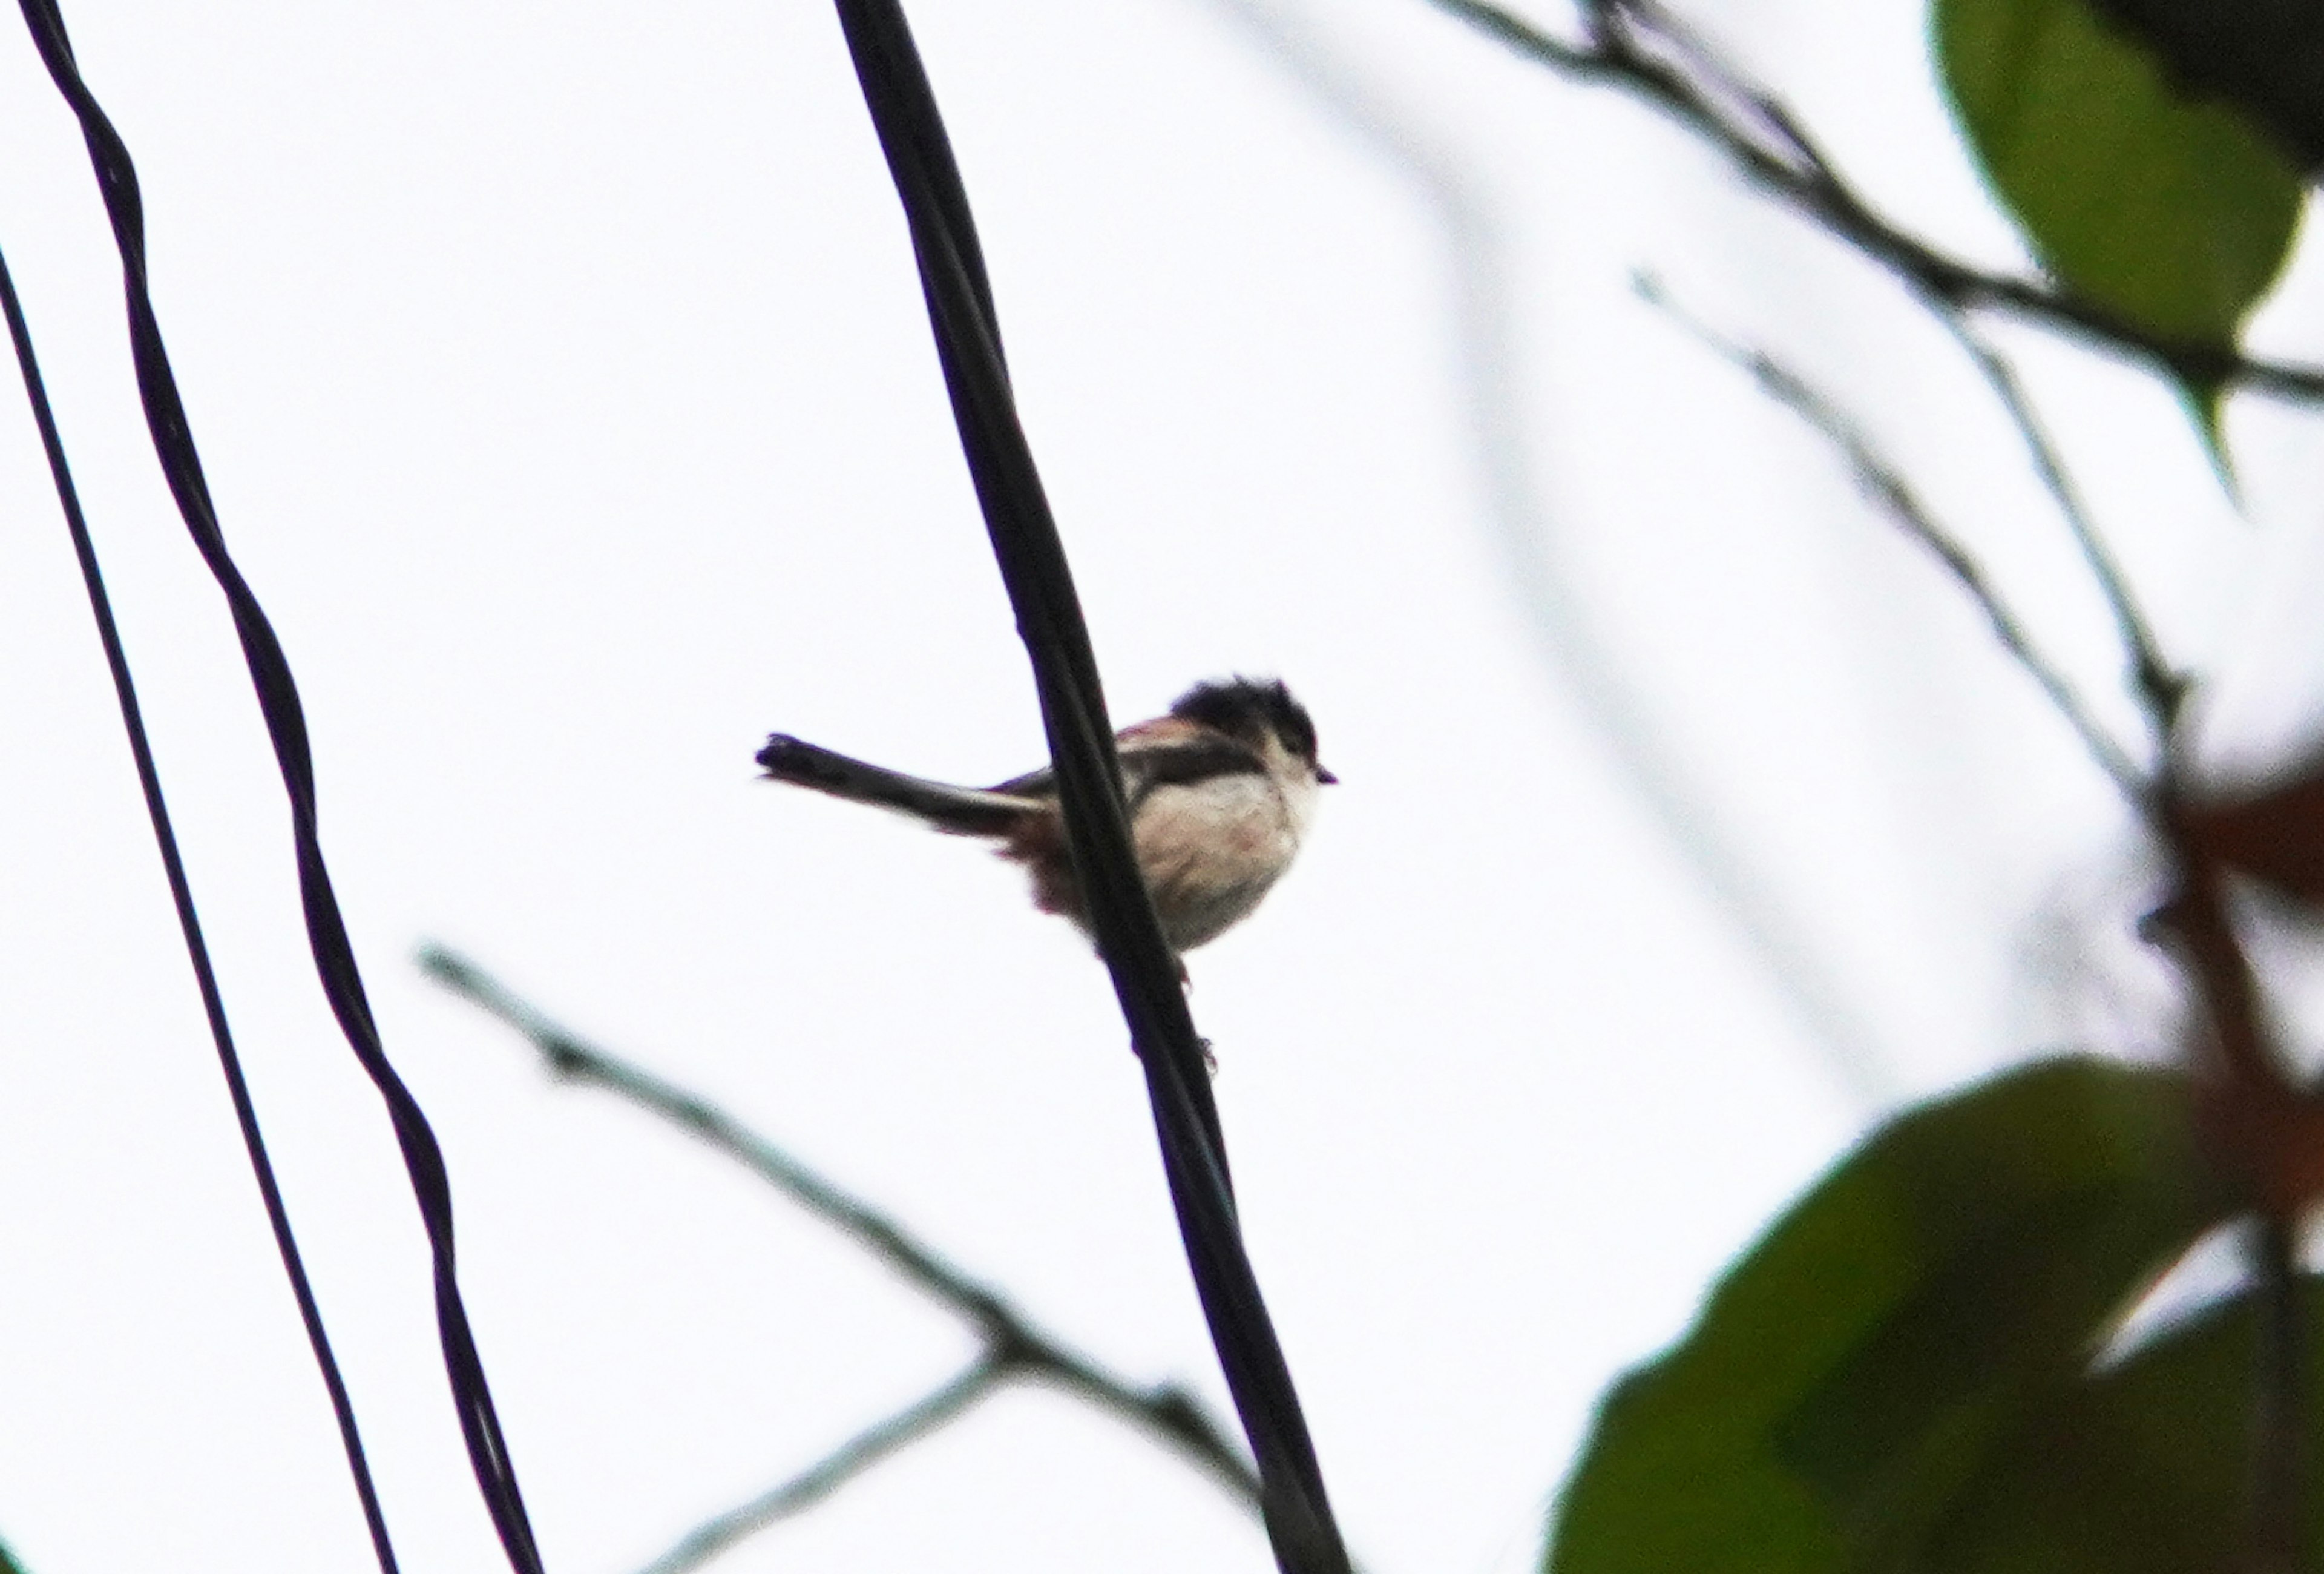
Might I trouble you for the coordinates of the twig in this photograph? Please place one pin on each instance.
(1885, 485)
(834, 1470)
(2160, 687)
(1013, 1345)
(1635, 47)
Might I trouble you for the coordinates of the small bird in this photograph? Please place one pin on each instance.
(1220, 793)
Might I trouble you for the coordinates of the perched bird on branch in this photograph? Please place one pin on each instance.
(1220, 793)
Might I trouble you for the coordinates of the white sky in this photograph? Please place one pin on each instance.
(564, 385)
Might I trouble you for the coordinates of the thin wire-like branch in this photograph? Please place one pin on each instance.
(886, 1436)
(1019, 1349)
(1635, 47)
(336, 967)
(1295, 1505)
(189, 928)
(1884, 485)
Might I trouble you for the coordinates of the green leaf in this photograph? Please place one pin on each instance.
(2175, 214)
(1851, 1374)
(2145, 1468)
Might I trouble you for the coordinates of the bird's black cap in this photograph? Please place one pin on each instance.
(1250, 709)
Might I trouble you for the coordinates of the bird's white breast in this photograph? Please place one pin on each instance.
(1212, 849)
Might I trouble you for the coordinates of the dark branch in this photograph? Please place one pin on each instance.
(1636, 47)
(2247, 1096)
(2279, 1447)
(819, 1480)
(1882, 482)
(1294, 1505)
(1013, 1346)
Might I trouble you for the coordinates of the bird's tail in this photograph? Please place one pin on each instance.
(962, 810)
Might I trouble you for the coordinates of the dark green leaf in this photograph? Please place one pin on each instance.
(2265, 56)
(2175, 214)
(2143, 1469)
(1851, 1374)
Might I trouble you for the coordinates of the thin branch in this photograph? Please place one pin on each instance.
(1635, 47)
(1016, 1347)
(2160, 687)
(568, 1056)
(819, 1480)
(2241, 1063)
(1884, 485)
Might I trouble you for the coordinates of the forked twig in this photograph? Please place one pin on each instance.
(1013, 1348)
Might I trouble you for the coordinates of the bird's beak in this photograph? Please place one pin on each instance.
(1325, 777)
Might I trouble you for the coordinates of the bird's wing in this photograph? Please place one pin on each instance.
(1168, 751)
(1184, 761)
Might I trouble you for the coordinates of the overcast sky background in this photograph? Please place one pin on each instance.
(565, 388)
